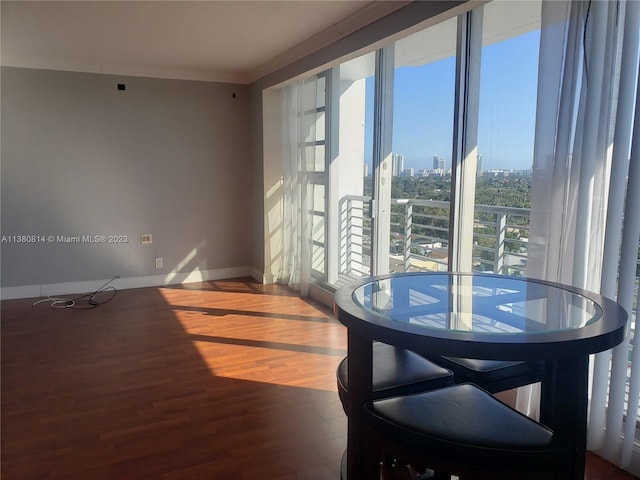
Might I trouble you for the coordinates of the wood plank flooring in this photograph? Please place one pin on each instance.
(217, 380)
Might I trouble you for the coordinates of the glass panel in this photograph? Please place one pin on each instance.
(321, 86)
(318, 205)
(315, 120)
(350, 166)
(317, 153)
(320, 134)
(318, 230)
(313, 90)
(506, 126)
(317, 190)
(314, 124)
(423, 104)
(477, 303)
(317, 260)
(316, 156)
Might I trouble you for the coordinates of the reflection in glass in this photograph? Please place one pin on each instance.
(477, 303)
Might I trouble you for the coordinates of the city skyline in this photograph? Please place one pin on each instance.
(444, 172)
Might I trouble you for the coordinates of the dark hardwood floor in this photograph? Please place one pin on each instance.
(218, 380)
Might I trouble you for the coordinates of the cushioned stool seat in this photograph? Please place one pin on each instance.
(464, 430)
(396, 371)
(492, 375)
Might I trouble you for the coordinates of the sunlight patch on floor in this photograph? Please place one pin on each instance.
(284, 341)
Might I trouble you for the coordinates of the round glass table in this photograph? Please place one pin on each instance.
(482, 316)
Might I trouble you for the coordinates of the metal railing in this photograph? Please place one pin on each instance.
(420, 237)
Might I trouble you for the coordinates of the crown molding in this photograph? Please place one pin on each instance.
(367, 15)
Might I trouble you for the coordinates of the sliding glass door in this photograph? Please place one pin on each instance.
(449, 146)
(506, 127)
(350, 184)
(423, 105)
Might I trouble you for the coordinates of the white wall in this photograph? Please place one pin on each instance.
(166, 157)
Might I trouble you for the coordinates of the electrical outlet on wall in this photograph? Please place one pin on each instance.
(159, 262)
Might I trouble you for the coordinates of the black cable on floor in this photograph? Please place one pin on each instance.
(86, 301)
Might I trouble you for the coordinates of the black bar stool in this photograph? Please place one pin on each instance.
(491, 375)
(465, 431)
(396, 371)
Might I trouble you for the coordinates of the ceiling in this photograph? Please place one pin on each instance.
(229, 41)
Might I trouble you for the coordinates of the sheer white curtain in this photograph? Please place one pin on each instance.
(298, 112)
(586, 88)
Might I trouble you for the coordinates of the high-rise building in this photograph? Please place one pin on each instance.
(438, 163)
(479, 169)
(397, 164)
(365, 169)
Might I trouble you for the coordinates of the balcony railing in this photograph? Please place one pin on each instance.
(420, 237)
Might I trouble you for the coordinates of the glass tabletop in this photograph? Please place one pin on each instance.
(492, 304)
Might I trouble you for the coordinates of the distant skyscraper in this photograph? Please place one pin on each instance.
(397, 160)
(365, 169)
(479, 169)
(438, 163)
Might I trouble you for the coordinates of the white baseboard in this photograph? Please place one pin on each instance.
(66, 288)
(258, 276)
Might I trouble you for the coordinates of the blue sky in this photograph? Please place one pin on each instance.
(423, 107)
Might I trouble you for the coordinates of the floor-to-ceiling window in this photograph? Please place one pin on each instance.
(506, 126)
(316, 154)
(350, 169)
(493, 60)
(423, 103)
